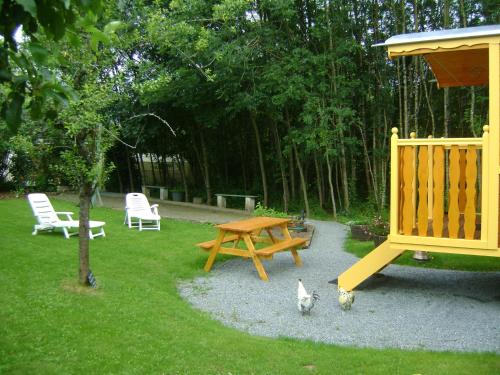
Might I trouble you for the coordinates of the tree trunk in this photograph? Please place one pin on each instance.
(330, 183)
(182, 171)
(130, 170)
(84, 197)
(318, 180)
(343, 173)
(261, 157)
(299, 167)
(292, 176)
(152, 165)
(281, 163)
(206, 169)
(302, 180)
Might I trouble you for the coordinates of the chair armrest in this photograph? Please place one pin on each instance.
(154, 209)
(67, 213)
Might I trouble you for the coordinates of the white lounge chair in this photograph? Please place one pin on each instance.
(137, 207)
(48, 218)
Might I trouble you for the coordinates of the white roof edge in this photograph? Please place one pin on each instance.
(466, 32)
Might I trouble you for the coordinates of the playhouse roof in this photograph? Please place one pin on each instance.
(457, 57)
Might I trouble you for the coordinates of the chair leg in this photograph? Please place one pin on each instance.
(35, 230)
(65, 231)
(140, 225)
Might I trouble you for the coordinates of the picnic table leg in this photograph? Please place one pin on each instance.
(295, 254)
(270, 233)
(256, 261)
(215, 250)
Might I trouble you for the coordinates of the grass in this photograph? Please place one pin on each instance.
(136, 323)
(438, 260)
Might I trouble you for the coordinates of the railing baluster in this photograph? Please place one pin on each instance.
(438, 176)
(401, 185)
(408, 173)
(423, 177)
(470, 206)
(453, 210)
(461, 185)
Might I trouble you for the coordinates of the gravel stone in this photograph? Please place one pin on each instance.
(409, 308)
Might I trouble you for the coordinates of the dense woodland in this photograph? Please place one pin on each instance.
(285, 99)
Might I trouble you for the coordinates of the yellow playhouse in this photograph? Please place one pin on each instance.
(423, 216)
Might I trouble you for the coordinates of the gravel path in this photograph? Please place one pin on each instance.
(409, 308)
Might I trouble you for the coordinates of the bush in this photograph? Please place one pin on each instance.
(261, 210)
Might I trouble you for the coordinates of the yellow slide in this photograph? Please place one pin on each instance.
(367, 266)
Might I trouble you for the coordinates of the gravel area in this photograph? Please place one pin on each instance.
(409, 308)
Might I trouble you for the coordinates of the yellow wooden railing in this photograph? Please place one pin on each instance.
(421, 206)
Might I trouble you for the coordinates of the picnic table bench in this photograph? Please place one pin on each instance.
(249, 231)
(249, 200)
(163, 191)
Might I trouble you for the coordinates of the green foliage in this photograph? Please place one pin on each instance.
(261, 210)
(27, 67)
(136, 322)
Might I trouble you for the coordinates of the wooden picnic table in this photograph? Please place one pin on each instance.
(250, 233)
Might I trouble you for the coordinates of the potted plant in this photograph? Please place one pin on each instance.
(177, 195)
(360, 230)
(379, 229)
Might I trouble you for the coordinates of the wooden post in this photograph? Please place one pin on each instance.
(430, 181)
(394, 182)
(485, 183)
(493, 163)
(413, 135)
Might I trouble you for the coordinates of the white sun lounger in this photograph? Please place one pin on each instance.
(48, 218)
(137, 207)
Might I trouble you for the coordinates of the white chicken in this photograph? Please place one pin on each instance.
(306, 301)
(346, 299)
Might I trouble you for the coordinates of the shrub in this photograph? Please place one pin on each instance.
(261, 210)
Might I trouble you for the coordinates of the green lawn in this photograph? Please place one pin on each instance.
(136, 323)
(438, 260)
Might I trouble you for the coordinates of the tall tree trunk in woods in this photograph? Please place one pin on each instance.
(337, 178)
(429, 107)
(281, 163)
(368, 166)
(153, 173)
(299, 167)
(343, 173)
(318, 180)
(291, 168)
(130, 171)
(333, 88)
(143, 170)
(330, 184)
(206, 169)
(182, 171)
(384, 162)
(400, 96)
(302, 180)
(406, 124)
(261, 158)
(161, 179)
(83, 250)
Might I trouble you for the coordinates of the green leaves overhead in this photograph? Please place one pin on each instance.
(28, 5)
